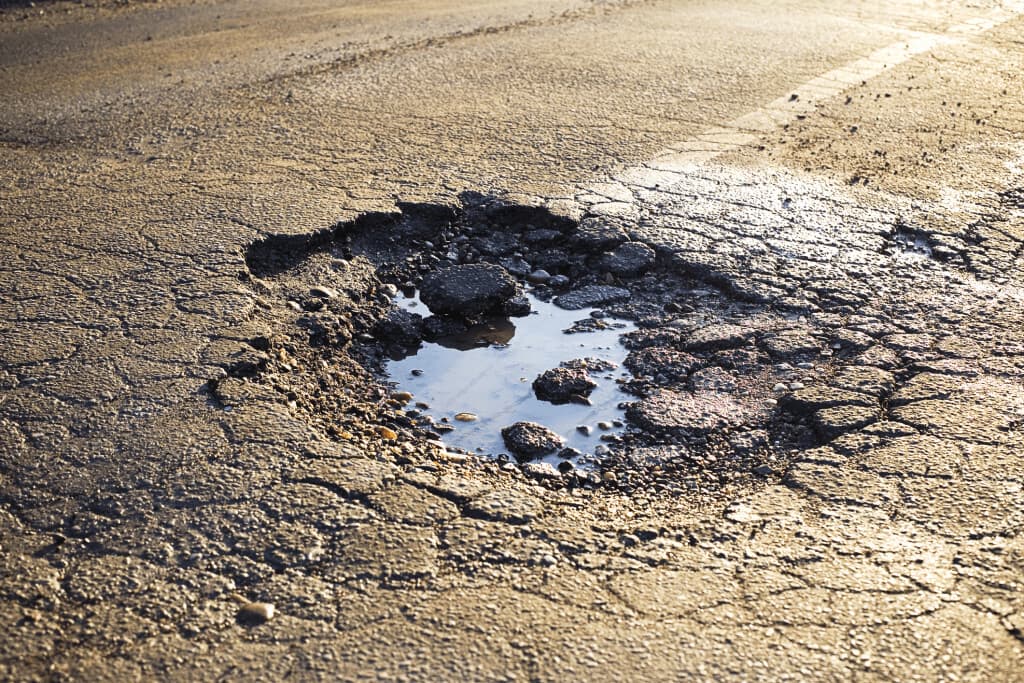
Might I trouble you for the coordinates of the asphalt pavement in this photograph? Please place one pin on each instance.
(203, 476)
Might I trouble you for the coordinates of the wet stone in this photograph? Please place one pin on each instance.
(400, 327)
(563, 385)
(468, 290)
(529, 440)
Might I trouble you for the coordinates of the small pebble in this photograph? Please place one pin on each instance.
(417, 372)
(323, 292)
(604, 425)
(780, 387)
(255, 613)
(796, 385)
(402, 396)
(805, 366)
(609, 477)
(386, 433)
(466, 417)
(584, 429)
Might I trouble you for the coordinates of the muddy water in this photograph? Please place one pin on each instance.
(489, 373)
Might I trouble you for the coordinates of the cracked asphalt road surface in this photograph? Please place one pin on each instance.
(852, 175)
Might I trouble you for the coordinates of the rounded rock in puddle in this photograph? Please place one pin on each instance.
(563, 385)
(530, 440)
(468, 290)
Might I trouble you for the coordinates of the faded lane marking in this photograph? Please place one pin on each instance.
(616, 198)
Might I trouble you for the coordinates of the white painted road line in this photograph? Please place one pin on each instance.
(611, 198)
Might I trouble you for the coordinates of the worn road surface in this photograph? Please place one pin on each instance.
(854, 170)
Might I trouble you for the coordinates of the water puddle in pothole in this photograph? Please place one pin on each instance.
(489, 372)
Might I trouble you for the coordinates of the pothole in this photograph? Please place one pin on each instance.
(695, 383)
